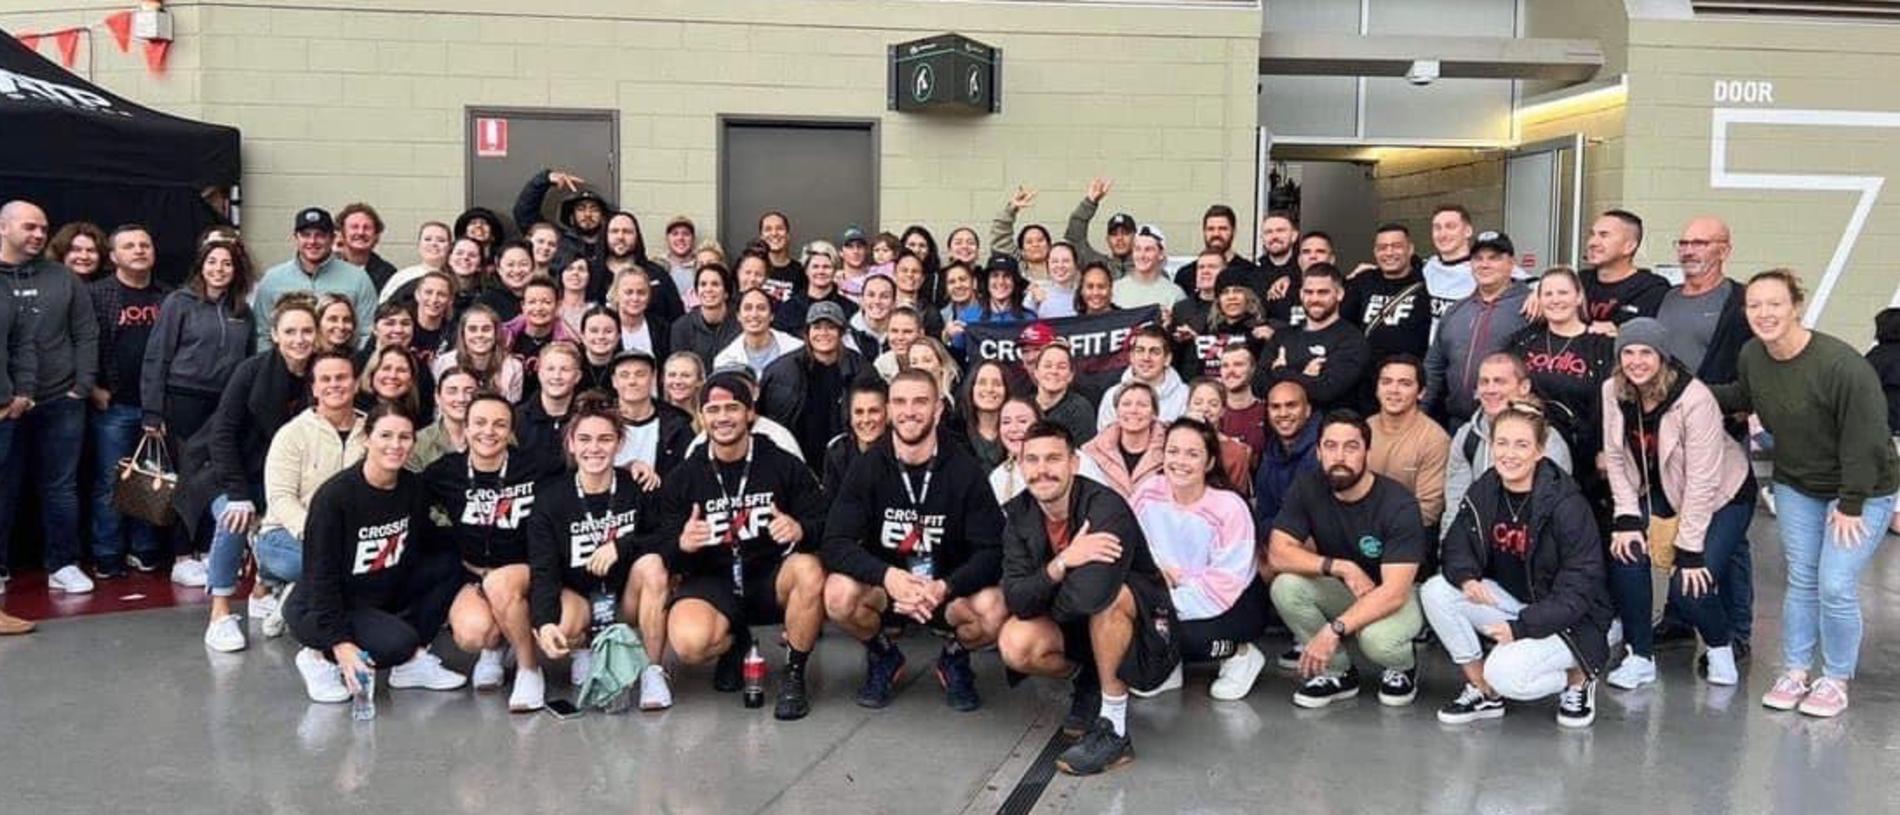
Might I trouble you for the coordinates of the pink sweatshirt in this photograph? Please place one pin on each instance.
(1206, 548)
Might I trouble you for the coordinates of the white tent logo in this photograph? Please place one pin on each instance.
(25, 88)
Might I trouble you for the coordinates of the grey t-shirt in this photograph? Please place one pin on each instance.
(1691, 321)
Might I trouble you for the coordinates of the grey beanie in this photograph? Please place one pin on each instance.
(1643, 331)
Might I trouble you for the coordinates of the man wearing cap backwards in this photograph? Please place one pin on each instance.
(743, 521)
(775, 434)
(1120, 258)
(914, 534)
(680, 263)
(1148, 283)
(804, 390)
(315, 269)
(583, 214)
(1474, 328)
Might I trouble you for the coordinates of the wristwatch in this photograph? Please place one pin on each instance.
(1339, 629)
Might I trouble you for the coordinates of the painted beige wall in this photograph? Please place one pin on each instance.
(339, 103)
(1412, 182)
(1673, 68)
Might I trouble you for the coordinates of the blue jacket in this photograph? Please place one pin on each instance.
(1279, 465)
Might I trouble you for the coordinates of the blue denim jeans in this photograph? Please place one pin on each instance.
(1823, 600)
(279, 556)
(1709, 614)
(115, 434)
(47, 443)
(227, 548)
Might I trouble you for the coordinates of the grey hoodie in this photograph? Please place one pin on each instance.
(57, 314)
(1469, 331)
(194, 347)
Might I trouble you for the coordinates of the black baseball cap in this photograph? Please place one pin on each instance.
(313, 218)
(1121, 221)
(634, 355)
(1494, 241)
(1002, 263)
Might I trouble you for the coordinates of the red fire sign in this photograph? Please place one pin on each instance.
(491, 138)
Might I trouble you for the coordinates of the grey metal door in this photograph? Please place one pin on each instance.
(822, 174)
(507, 146)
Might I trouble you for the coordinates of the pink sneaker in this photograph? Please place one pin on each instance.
(1827, 699)
(1788, 692)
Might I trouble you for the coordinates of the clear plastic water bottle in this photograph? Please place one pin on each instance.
(363, 701)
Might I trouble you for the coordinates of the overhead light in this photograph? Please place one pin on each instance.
(1576, 99)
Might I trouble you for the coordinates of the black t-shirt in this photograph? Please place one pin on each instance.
(1131, 458)
(1381, 527)
(1404, 326)
(1510, 541)
(487, 512)
(527, 348)
(1639, 437)
(1568, 372)
(133, 320)
(819, 419)
(1639, 295)
(427, 344)
(781, 281)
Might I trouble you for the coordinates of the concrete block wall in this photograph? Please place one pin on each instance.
(1410, 183)
(341, 101)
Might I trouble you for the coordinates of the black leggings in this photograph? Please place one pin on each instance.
(391, 636)
(1218, 637)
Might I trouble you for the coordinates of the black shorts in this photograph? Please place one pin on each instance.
(1149, 659)
(759, 606)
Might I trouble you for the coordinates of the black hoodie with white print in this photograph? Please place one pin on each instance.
(568, 526)
(739, 500)
(888, 514)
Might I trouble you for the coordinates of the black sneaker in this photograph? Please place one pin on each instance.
(729, 672)
(103, 573)
(1324, 690)
(1672, 634)
(959, 681)
(140, 565)
(1289, 660)
(1085, 705)
(882, 672)
(793, 704)
(1099, 749)
(1398, 688)
(1470, 706)
(1577, 705)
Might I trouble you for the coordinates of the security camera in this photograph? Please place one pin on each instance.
(1423, 72)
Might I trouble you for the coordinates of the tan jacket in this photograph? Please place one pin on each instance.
(303, 455)
(1415, 454)
(1702, 465)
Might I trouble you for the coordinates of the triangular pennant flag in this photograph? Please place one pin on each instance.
(120, 25)
(31, 41)
(155, 55)
(68, 42)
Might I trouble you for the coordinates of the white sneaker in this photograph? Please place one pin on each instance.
(655, 694)
(1634, 673)
(190, 572)
(580, 665)
(71, 580)
(263, 609)
(1616, 636)
(272, 623)
(424, 670)
(225, 634)
(1237, 674)
(530, 693)
(1721, 669)
(321, 679)
(1173, 682)
(489, 671)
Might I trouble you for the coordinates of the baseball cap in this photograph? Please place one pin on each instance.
(1036, 335)
(680, 220)
(1494, 241)
(1121, 221)
(634, 355)
(313, 218)
(1002, 263)
(825, 310)
(852, 234)
(1153, 231)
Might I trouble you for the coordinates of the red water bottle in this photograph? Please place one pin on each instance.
(754, 672)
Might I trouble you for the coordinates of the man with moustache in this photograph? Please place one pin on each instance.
(914, 534)
(1346, 549)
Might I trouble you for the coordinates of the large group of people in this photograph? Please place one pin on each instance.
(541, 428)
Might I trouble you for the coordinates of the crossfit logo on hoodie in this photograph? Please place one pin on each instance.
(380, 547)
(586, 536)
(739, 519)
(505, 508)
(910, 533)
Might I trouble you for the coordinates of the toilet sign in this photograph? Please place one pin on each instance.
(491, 138)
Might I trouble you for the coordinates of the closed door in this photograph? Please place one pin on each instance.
(507, 146)
(821, 174)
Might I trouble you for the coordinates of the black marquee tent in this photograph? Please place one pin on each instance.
(83, 153)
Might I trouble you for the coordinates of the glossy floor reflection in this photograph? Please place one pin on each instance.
(130, 713)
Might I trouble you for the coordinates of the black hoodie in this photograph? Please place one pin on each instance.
(360, 543)
(496, 234)
(737, 499)
(590, 243)
(1885, 358)
(1563, 559)
(566, 529)
(874, 526)
(488, 513)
